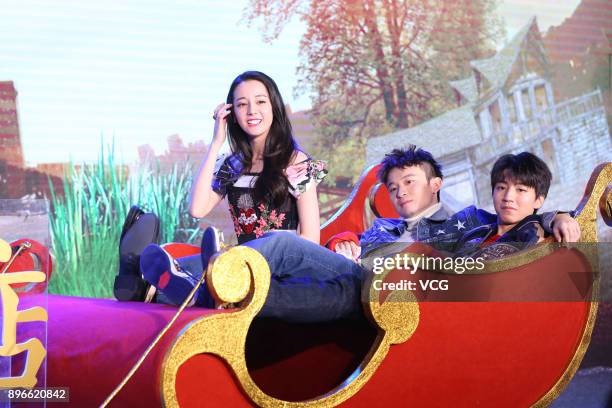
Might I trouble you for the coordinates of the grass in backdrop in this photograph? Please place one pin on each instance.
(86, 219)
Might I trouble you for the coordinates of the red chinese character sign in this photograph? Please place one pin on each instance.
(25, 267)
(12, 317)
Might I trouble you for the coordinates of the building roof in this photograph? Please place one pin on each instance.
(467, 88)
(450, 132)
(457, 129)
(497, 68)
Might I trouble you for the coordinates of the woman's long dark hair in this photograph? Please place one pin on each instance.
(271, 184)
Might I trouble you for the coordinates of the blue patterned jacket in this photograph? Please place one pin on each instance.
(523, 235)
(441, 229)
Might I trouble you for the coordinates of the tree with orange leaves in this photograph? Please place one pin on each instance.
(374, 66)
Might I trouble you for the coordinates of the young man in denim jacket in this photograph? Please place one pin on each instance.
(519, 185)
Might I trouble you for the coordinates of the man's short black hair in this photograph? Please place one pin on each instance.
(400, 158)
(524, 168)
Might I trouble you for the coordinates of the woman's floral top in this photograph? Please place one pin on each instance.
(252, 219)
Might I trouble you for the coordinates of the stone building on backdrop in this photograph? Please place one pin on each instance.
(508, 105)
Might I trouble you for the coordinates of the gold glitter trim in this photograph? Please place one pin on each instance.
(596, 194)
(396, 318)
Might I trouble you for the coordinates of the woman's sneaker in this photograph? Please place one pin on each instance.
(161, 270)
(212, 240)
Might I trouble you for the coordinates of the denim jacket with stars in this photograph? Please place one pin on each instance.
(523, 235)
(440, 229)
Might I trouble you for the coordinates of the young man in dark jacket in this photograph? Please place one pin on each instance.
(519, 185)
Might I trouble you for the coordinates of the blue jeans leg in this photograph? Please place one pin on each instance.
(309, 283)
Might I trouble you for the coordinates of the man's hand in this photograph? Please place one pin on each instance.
(349, 250)
(565, 228)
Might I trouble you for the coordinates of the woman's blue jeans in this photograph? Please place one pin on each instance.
(309, 283)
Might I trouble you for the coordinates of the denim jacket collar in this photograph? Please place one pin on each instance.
(525, 232)
(440, 216)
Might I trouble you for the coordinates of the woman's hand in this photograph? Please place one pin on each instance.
(220, 115)
(203, 199)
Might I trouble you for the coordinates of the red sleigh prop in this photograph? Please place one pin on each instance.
(426, 353)
(29, 255)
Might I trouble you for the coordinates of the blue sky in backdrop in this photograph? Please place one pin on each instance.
(139, 71)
